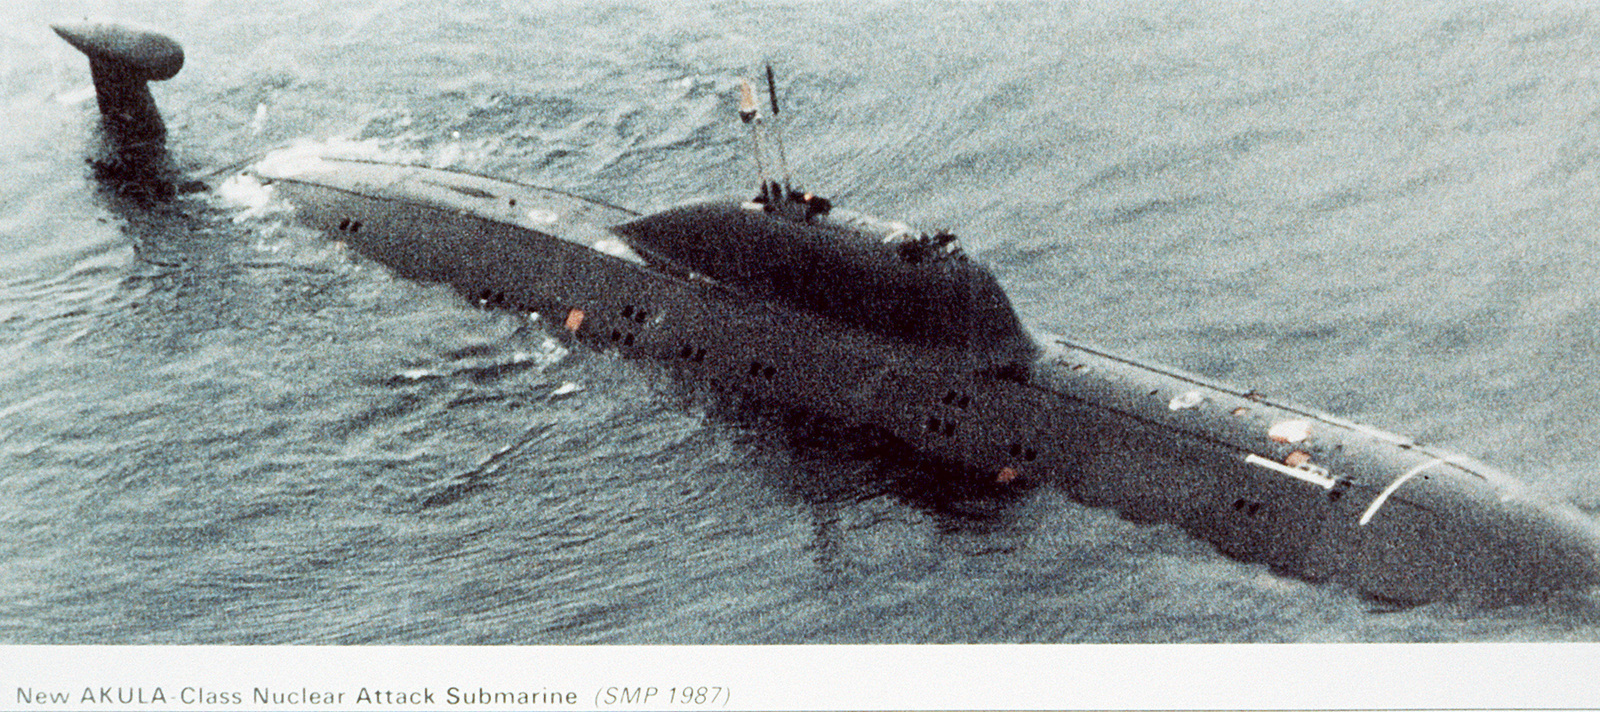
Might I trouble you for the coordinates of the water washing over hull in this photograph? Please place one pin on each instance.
(901, 332)
(1310, 494)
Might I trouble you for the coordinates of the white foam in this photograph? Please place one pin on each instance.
(259, 121)
(302, 157)
(76, 96)
(449, 154)
(246, 191)
(294, 160)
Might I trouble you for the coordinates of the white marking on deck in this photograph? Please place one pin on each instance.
(1305, 473)
(1384, 495)
(1192, 399)
(1289, 431)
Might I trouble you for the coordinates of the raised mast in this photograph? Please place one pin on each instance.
(777, 133)
(751, 117)
(773, 196)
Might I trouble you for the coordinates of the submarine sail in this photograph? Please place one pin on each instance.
(880, 277)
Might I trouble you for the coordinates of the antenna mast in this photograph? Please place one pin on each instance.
(774, 197)
(783, 159)
(747, 114)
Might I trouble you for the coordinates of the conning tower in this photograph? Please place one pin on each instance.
(794, 248)
(877, 276)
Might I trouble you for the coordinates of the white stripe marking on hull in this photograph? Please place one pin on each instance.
(1318, 477)
(1384, 495)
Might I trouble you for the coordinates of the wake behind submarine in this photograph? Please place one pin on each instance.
(785, 298)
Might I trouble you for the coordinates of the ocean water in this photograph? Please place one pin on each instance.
(216, 428)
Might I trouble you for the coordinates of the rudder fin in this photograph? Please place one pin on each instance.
(123, 59)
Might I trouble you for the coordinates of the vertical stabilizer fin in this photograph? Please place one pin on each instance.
(123, 57)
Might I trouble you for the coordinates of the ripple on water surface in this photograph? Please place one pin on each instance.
(217, 428)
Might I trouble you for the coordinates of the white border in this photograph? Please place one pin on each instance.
(1454, 676)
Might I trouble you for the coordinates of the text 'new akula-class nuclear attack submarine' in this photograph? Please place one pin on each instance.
(785, 298)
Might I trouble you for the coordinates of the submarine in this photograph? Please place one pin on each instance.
(783, 297)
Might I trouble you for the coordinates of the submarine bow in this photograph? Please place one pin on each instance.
(787, 300)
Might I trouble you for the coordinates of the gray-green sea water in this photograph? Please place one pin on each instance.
(216, 429)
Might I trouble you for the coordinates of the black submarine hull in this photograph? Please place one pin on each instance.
(1309, 494)
(1306, 493)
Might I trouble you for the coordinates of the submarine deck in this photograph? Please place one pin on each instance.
(556, 213)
